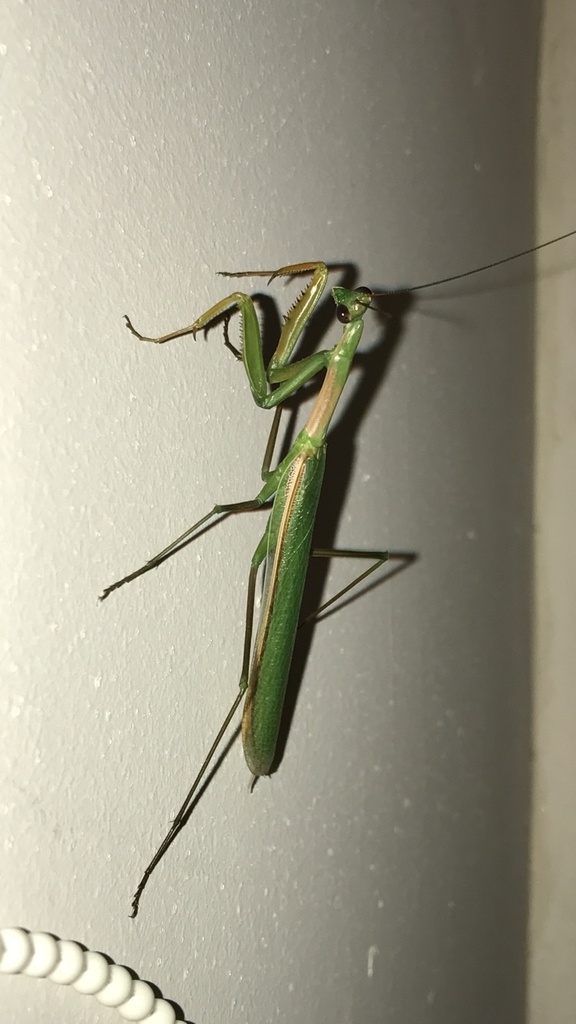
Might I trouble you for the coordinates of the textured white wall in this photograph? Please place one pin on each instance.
(381, 873)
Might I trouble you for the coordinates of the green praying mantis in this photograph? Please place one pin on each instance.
(292, 489)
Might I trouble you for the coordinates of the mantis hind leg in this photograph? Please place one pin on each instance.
(187, 807)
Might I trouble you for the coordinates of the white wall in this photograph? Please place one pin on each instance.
(382, 872)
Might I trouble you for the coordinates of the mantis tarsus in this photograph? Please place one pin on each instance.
(293, 488)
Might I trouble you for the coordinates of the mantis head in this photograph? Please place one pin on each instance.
(351, 305)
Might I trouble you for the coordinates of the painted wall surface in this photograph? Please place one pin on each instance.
(382, 872)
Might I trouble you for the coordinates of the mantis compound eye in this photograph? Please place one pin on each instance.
(343, 314)
(368, 293)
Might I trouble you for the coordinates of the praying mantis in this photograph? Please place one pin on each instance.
(292, 489)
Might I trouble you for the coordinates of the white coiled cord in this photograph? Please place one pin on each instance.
(39, 955)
